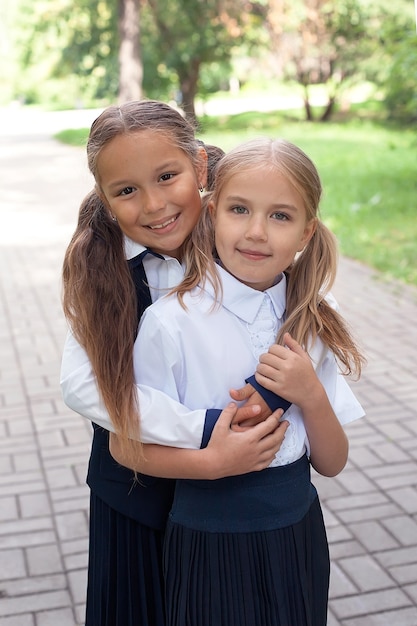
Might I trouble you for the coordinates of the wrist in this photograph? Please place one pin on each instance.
(211, 464)
(314, 398)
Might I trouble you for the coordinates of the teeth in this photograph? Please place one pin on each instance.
(164, 224)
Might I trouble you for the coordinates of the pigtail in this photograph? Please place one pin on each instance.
(100, 304)
(308, 314)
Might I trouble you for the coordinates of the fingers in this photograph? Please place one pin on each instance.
(269, 375)
(227, 415)
(242, 394)
(272, 444)
(292, 344)
(232, 416)
(246, 412)
(241, 425)
(268, 426)
(281, 351)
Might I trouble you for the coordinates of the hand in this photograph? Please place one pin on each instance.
(245, 415)
(283, 367)
(242, 452)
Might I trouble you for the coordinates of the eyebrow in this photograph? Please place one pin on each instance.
(120, 183)
(276, 206)
(173, 164)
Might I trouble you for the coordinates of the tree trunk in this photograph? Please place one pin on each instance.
(307, 106)
(328, 111)
(188, 87)
(130, 61)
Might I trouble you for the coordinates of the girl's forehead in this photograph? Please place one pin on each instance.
(141, 144)
(256, 172)
(150, 134)
(152, 141)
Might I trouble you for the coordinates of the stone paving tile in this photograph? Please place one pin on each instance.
(404, 574)
(61, 617)
(366, 603)
(411, 590)
(25, 526)
(33, 585)
(347, 548)
(21, 620)
(34, 504)
(340, 584)
(13, 564)
(401, 617)
(72, 525)
(370, 509)
(44, 560)
(26, 539)
(368, 513)
(34, 603)
(8, 508)
(373, 536)
(367, 574)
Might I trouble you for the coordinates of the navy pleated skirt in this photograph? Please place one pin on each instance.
(125, 581)
(247, 551)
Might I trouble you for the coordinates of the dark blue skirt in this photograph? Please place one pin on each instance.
(275, 574)
(125, 581)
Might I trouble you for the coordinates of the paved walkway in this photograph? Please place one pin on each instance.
(370, 509)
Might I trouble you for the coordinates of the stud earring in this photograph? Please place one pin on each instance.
(201, 188)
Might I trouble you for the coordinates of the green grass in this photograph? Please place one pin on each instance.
(369, 175)
(73, 137)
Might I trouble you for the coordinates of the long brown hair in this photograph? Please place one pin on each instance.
(311, 275)
(99, 299)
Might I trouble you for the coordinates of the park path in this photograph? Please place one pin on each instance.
(370, 509)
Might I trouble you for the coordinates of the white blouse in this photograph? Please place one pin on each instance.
(197, 355)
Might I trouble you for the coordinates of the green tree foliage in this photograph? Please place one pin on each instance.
(82, 41)
(193, 33)
(398, 74)
(321, 41)
(72, 39)
(67, 51)
(401, 84)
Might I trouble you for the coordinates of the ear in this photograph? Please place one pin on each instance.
(201, 169)
(309, 231)
(211, 210)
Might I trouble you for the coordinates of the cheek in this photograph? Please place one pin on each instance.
(226, 234)
(222, 245)
(126, 215)
(192, 203)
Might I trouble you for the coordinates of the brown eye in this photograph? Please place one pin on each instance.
(168, 176)
(127, 190)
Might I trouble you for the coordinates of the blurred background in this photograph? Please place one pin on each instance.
(338, 77)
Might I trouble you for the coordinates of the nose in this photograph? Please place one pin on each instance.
(256, 229)
(153, 200)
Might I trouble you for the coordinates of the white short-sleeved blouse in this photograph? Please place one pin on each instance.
(197, 355)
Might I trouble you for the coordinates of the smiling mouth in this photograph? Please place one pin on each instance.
(254, 254)
(163, 224)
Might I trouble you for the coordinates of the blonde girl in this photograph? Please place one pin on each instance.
(252, 549)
